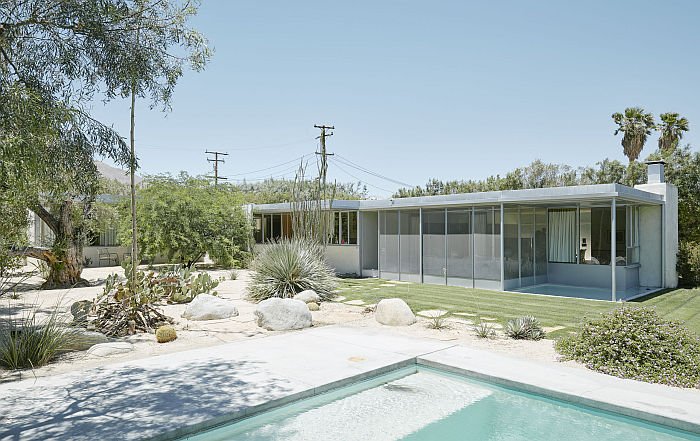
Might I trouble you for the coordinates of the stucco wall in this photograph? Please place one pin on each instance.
(670, 227)
(650, 234)
(344, 259)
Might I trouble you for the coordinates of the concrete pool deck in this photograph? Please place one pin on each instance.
(169, 395)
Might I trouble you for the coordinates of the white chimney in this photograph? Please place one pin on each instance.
(655, 172)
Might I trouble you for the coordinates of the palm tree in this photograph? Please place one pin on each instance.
(671, 128)
(636, 125)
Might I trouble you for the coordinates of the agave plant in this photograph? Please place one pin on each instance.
(288, 267)
(635, 125)
(671, 128)
(484, 330)
(525, 328)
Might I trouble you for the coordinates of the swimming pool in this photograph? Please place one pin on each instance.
(419, 404)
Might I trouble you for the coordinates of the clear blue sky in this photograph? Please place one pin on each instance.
(454, 90)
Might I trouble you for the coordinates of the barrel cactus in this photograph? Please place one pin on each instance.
(165, 334)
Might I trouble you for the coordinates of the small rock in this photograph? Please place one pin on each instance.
(110, 349)
(278, 314)
(394, 312)
(209, 307)
(308, 296)
(313, 306)
(338, 298)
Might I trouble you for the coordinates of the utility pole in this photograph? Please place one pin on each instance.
(216, 161)
(323, 167)
(322, 171)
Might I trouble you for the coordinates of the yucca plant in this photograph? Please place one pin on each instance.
(484, 330)
(525, 328)
(29, 342)
(288, 267)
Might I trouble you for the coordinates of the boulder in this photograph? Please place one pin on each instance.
(80, 310)
(84, 340)
(278, 314)
(313, 306)
(394, 312)
(110, 349)
(308, 296)
(209, 307)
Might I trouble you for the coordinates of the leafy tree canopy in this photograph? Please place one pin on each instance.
(184, 217)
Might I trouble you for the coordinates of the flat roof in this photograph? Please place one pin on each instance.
(533, 196)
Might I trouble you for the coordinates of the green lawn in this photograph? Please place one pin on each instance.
(566, 312)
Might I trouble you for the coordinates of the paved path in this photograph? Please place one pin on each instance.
(145, 398)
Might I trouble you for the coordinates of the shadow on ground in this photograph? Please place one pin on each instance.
(135, 402)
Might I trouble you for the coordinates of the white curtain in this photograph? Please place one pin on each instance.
(562, 236)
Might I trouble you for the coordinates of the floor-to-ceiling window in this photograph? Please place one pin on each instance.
(434, 267)
(511, 257)
(487, 247)
(459, 248)
(389, 244)
(541, 245)
(409, 245)
(596, 233)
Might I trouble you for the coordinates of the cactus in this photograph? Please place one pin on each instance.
(165, 334)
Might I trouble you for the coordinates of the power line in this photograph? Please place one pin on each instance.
(358, 179)
(349, 163)
(301, 158)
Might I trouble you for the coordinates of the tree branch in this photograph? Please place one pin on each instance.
(45, 216)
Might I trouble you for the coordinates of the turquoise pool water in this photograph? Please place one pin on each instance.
(425, 404)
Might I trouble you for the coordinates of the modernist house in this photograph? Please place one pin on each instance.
(608, 242)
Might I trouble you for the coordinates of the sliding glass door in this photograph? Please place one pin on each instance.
(434, 265)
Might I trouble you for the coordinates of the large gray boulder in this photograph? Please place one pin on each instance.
(308, 296)
(209, 307)
(394, 312)
(278, 314)
(82, 340)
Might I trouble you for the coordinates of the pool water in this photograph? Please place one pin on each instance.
(426, 404)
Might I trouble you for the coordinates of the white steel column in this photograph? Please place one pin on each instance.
(613, 244)
(502, 245)
(420, 242)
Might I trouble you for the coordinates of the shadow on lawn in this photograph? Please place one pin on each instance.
(133, 402)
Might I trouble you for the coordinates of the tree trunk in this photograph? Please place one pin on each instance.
(66, 262)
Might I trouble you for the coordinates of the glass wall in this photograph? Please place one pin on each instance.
(434, 265)
(527, 246)
(487, 248)
(596, 234)
(511, 258)
(409, 245)
(460, 264)
(540, 245)
(389, 244)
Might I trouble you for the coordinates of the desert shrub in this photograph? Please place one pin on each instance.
(288, 267)
(636, 343)
(525, 328)
(484, 330)
(689, 263)
(437, 322)
(30, 342)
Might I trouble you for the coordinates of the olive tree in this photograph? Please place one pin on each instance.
(57, 57)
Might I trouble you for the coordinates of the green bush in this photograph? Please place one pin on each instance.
(689, 263)
(636, 343)
(525, 328)
(484, 330)
(29, 342)
(288, 267)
